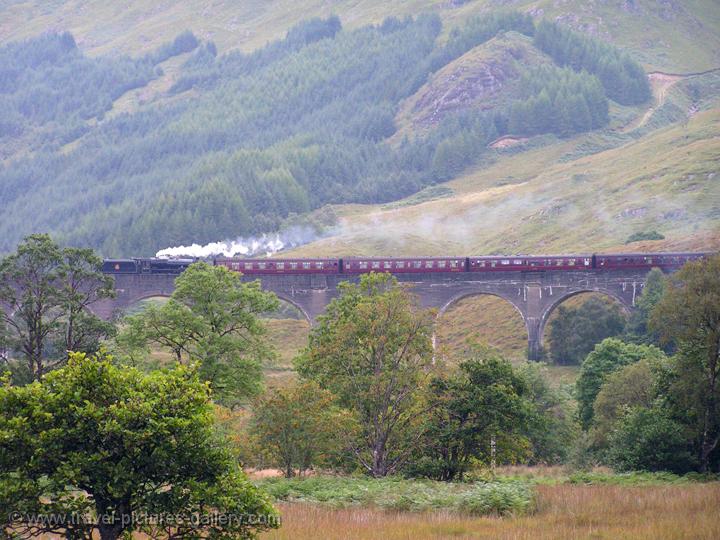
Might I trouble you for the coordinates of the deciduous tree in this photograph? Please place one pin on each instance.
(607, 357)
(484, 402)
(300, 426)
(46, 292)
(688, 314)
(373, 350)
(212, 317)
(112, 444)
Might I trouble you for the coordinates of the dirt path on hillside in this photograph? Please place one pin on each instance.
(660, 83)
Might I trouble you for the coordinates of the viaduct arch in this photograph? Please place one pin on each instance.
(533, 294)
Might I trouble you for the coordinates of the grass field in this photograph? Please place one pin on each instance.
(563, 511)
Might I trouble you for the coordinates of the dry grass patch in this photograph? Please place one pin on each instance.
(564, 511)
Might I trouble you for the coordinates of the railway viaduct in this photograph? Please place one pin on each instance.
(533, 294)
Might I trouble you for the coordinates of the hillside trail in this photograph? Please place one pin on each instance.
(661, 83)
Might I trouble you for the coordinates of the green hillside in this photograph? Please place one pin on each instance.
(466, 129)
(669, 36)
(556, 199)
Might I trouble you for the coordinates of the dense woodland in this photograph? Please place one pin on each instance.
(244, 140)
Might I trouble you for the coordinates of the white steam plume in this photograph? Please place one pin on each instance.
(265, 245)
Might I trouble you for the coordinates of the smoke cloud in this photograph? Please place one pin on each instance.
(263, 245)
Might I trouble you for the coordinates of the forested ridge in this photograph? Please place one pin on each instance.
(245, 140)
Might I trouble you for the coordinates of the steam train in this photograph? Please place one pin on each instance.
(402, 265)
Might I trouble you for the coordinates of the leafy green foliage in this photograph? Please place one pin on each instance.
(607, 357)
(485, 400)
(480, 499)
(644, 235)
(688, 314)
(551, 427)
(647, 440)
(636, 329)
(299, 426)
(373, 350)
(212, 317)
(575, 331)
(46, 291)
(630, 386)
(109, 442)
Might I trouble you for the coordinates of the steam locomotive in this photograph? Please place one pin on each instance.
(403, 265)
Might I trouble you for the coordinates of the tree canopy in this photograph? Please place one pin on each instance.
(607, 357)
(45, 294)
(373, 350)
(688, 314)
(125, 450)
(212, 317)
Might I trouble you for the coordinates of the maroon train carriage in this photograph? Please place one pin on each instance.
(281, 266)
(404, 265)
(645, 260)
(530, 263)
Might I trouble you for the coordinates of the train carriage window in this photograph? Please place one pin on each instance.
(306, 265)
(493, 263)
(319, 265)
(248, 266)
(363, 265)
(442, 264)
(505, 262)
(262, 266)
(453, 264)
(571, 262)
(559, 262)
(376, 264)
(387, 265)
(400, 264)
(235, 266)
(517, 261)
(417, 264)
(481, 264)
(586, 262)
(280, 266)
(293, 265)
(428, 264)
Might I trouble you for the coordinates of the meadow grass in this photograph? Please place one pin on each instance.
(562, 511)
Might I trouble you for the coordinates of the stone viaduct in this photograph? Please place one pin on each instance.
(533, 294)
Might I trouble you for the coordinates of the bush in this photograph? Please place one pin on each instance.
(644, 235)
(478, 498)
(648, 440)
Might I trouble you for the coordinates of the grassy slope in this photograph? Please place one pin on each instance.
(670, 36)
(541, 202)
